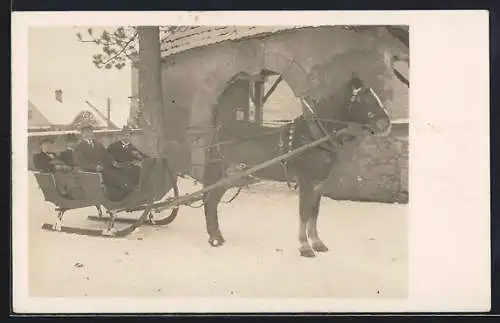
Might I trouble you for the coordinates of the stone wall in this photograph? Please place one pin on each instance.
(378, 171)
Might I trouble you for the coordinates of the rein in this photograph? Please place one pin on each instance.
(243, 139)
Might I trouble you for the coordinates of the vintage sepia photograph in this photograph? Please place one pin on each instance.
(286, 141)
(217, 161)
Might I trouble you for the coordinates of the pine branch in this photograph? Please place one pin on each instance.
(124, 48)
(118, 46)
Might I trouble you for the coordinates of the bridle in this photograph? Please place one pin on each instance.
(316, 123)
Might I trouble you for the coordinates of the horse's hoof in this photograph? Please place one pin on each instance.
(308, 253)
(216, 242)
(319, 247)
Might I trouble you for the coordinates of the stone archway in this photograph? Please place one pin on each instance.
(217, 80)
(307, 71)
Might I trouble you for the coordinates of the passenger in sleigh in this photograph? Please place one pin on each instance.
(127, 157)
(71, 140)
(48, 161)
(90, 155)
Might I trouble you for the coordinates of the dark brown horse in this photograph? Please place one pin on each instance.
(354, 105)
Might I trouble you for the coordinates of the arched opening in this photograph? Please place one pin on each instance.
(249, 115)
(264, 99)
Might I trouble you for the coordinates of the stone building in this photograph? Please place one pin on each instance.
(201, 63)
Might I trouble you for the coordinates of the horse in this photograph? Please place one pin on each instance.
(356, 105)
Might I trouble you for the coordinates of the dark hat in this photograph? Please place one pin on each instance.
(44, 140)
(70, 137)
(126, 129)
(85, 126)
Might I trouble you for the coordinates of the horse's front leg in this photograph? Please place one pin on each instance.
(211, 203)
(306, 208)
(312, 230)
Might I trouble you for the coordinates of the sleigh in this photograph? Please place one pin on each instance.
(79, 189)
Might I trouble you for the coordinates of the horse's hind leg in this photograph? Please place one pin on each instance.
(211, 202)
(312, 230)
(306, 199)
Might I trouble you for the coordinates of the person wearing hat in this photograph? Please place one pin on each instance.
(66, 156)
(90, 155)
(127, 157)
(47, 160)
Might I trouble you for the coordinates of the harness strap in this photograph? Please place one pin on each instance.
(316, 127)
(287, 134)
(309, 117)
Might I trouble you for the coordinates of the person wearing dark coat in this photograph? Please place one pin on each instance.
(128, 158)
(67, 155)
(47, 160)
(90, 155)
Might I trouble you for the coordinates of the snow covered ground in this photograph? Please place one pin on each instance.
(367, 258)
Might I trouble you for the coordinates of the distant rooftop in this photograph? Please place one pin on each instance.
(65, 112)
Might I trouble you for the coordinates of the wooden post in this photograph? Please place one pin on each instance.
(258, 100)
(246, 104)
(246, 110)
(109, 113)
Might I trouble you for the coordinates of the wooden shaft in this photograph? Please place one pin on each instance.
(228, 180)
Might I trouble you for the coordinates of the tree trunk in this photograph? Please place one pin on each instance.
(150, 90)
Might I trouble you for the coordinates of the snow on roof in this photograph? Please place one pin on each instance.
(61, 113)
(35, 117)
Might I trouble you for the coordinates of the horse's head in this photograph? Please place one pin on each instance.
(364, 106)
